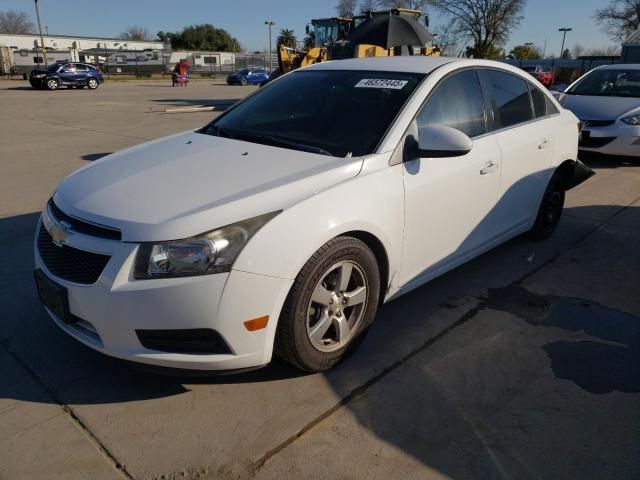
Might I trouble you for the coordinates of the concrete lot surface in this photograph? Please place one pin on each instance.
(524, 363)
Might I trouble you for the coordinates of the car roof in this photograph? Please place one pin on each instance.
(620, 66)
(407, 64)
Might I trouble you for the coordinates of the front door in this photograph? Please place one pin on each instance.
(449, 202)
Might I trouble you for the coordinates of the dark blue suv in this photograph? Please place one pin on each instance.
(66, 74)
(248, 76)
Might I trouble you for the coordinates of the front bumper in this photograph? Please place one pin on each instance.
(116, 306)
(614, 139)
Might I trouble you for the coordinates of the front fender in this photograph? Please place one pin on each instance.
(372, 202)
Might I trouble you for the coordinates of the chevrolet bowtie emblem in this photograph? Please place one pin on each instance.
(58, 235)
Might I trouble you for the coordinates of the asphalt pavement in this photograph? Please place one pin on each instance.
(524, 363)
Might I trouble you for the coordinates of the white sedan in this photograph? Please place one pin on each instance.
(288, 220)
(607, 102)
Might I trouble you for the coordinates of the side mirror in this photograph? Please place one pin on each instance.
(438, 141)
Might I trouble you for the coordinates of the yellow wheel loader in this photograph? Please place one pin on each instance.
(372, 34)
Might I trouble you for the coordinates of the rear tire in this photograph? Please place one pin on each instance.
(243, 82)
(550, 211)
(332, 302)
(52, 84)
(92, 83)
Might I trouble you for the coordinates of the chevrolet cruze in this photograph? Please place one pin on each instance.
(283, 224)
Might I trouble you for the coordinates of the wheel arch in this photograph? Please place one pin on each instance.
(380, 252)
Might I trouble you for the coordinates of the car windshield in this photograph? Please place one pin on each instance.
(331, 112)
(608, 83)
(244, 72)
(53, 67)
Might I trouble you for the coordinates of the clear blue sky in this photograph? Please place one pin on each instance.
(244, 19)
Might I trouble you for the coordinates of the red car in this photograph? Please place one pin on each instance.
(544, 77)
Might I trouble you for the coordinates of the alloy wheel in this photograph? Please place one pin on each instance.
(337, 305)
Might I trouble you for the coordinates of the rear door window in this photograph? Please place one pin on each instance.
(539, 102)
(458, 103)
(510, 95)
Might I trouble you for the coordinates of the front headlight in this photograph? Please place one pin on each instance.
(633, 120)
(212, 252)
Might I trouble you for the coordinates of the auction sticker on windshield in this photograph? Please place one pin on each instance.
(381, 83)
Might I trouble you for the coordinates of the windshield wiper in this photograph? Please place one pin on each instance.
(277, 141)
(220, 132)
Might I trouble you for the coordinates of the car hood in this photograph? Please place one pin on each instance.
(190, 183)
(587, 107)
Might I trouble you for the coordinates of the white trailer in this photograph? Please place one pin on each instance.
(6, 60)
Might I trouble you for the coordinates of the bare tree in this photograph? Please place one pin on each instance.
(368, 6)
(619, 19)
(412, 4)
(135, 33)
(347, 8)
(14, 21)
(577, 50)
(447, 38)
(487, 23)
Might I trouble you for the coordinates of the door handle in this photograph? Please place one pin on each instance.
(489, 167)
(543, 144)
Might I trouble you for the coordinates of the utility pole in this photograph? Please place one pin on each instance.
(44, 49)
(270, 24)
(564, 31)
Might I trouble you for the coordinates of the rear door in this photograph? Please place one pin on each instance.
(526, 143)
(81, 75)
(449, 201)
(67, 73)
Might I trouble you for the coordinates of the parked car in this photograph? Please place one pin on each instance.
(545, 77)
(253, 76)
(607, 102)
(289, 219)
(66, 74)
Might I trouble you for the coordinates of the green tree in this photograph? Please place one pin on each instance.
(566, 54)
(310, 40)
(525, 52)
(287, 38)
(491, 53)
(204, 37)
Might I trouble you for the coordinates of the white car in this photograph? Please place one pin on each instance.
(607, 102)
(288, 220)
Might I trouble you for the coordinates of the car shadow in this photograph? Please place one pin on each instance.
(425, 417)
(220, 105)
(24, 88)
(91, 157)
(596, 160)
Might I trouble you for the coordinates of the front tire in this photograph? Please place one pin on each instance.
(53, 83)
(550, 211)
(333, 300)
